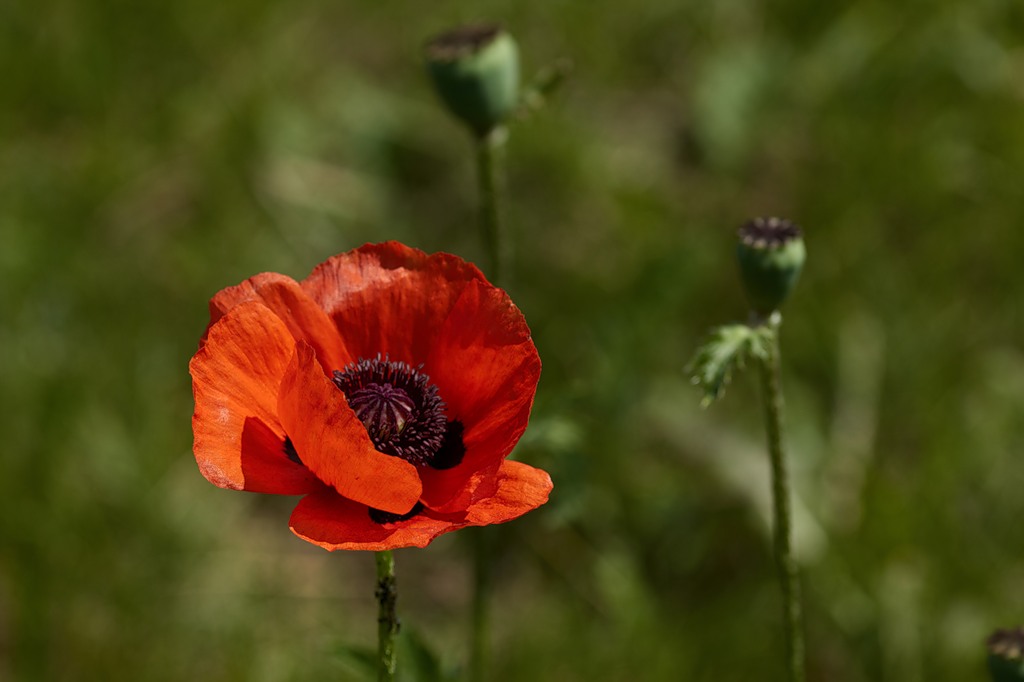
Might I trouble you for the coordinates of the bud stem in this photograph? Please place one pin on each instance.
(490, 150)
(771, 393)
(387, 620)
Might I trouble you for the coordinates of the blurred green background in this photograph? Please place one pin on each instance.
(153, 153)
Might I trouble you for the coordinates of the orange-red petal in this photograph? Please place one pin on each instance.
(304, 318)
(486, 369)
(389, 298)
(235, 377)
(454, 490)
(332, 522)
(334, 444)
(521, 488)
(336, 523)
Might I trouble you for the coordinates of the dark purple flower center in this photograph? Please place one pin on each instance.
(404, 416)
(399, 407)
(383, 408)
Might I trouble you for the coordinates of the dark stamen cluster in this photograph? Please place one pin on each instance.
(398, 405)
(769, 233)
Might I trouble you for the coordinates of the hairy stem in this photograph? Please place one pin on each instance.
(782, 513)
(490, 175)
(387, 621)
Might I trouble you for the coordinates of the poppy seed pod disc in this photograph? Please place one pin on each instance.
(1006, 655)
(475, 70)
(771, 254)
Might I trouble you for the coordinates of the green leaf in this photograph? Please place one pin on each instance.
(727, 348)
(418, 662)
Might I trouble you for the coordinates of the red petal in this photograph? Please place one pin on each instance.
(389, 298)
(333, 443)
(235, 377)
(301, 315)
(521, 488)
(333, 522)
(336, 523)
(456, 489)
(486, 369)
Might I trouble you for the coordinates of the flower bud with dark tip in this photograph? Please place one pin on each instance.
(771, 255)
(475, 69)
(1006, 655)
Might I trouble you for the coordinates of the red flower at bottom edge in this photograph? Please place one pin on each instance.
(388, 387)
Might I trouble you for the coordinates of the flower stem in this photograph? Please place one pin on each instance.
(782, 521)
(490, 150)
(387, 621)
(490, 153)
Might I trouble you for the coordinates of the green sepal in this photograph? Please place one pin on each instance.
(544, 84)
(727, 348)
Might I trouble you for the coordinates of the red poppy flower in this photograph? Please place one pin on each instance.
(388, 387)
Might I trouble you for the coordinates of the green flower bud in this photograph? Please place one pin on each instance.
(475, 70)
(771, 254)
(1006, 655)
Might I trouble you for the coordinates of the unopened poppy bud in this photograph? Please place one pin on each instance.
(475, 69)
(1006, 655)
(771, 254)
